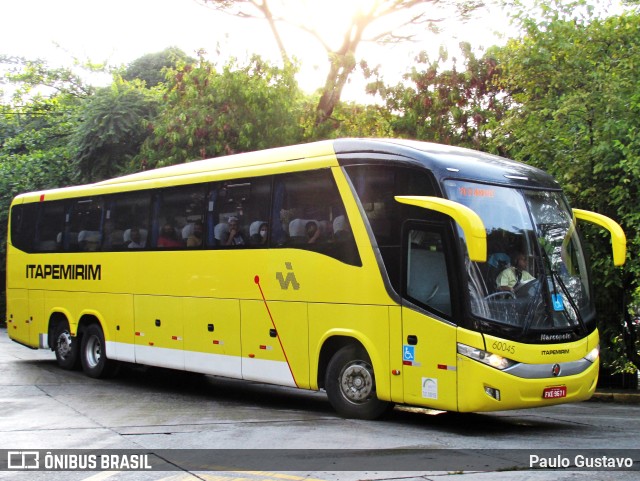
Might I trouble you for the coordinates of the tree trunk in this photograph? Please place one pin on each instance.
(342, 62)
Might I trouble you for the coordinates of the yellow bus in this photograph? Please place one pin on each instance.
(382, 271)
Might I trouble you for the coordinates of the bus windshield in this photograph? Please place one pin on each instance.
(535, 278)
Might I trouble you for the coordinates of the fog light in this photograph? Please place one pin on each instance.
(493, 392)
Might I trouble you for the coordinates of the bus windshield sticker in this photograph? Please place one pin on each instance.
(558, 303)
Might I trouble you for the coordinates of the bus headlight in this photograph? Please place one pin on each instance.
(488, 358)
(594, 354)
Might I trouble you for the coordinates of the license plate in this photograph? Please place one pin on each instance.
(554, 392)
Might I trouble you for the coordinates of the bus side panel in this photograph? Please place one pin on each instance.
(18, 323)
(274, 342)
(429, 361)
(212, 336)
(114, 312)
(365, 323)
(395, 354)
(117, 312)
(159, 334)
(38, 335)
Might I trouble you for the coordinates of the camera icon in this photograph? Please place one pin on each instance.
(23, 460)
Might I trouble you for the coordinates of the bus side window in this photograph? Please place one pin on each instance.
(82, 229)
(179, 217)
(309, 214)
(242, 207)
(23, 224)
(49, 227)
(126, 221)
(427, 281)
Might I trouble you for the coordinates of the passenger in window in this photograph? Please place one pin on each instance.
(113, 237)
(89, 240)
(313, 232)
(341, 228)
(260, 237)
(236, 237)
(168, 237)
(195, 238)
(136, 241)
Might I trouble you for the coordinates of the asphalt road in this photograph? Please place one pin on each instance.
(172, 414)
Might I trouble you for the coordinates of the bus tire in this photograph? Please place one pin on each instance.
(65, 346)
(93, 354)
(351, 387)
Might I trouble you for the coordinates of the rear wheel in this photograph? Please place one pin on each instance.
(351, 386)
(65, 346)
(93, 354)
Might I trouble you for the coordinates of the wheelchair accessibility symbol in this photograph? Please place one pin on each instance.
(408, 353)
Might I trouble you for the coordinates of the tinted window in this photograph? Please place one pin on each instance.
(179, 217)
(376, 186)
(50, 227)
(126, 221)
(82, 229)
(309, 214)
(242, 213)
(427, 281)
(23, 224)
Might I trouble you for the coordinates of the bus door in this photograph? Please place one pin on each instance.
(428, 335)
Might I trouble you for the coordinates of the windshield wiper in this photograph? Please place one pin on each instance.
(555, 278)
(572, 303)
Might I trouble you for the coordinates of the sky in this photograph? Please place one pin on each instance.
(119, 31)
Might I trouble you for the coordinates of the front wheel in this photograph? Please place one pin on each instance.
(351, 386)
(93, 355)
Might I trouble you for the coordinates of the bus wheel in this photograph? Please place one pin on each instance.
(65, 346)
(93, 356)
(351, 386)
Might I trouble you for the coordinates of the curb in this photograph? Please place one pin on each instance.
(631, 397)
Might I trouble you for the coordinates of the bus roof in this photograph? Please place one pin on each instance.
(443, 161)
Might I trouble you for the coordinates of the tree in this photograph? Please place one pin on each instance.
(151, 68)
(32, 78)
(34, 154)
(112, 129)
(451, 106)
(573, 80)
(373, 21)
(210, 113)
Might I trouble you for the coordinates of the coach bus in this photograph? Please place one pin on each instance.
(376, 270)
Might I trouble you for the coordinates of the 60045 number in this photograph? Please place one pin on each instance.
(504, 347)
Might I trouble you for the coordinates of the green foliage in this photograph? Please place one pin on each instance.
(112, 129)
(36, 124)
(574, 83)
(34, 154)
(349, 119)
(151, 68)
(31, 78)
(209, 113)
(456, 107)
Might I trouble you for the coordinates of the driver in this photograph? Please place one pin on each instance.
(513, 276)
